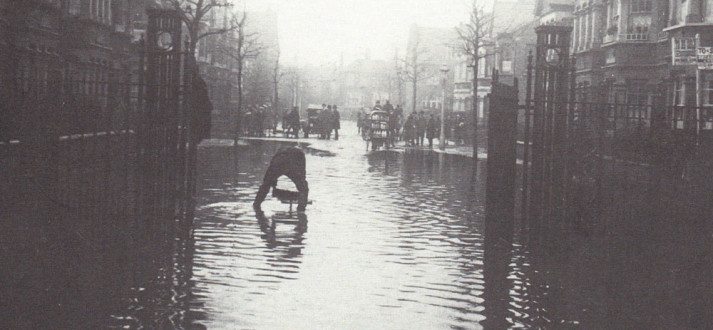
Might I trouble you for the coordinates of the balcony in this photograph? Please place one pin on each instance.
(634, 37)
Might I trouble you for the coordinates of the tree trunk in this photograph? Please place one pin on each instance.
(475, 108)
(238, 111)
(276, 82)
(413, 100)
(193, 42)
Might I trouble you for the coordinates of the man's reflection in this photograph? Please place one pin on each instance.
(294, 242)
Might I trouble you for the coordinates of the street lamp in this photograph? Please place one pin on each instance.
(442, 137)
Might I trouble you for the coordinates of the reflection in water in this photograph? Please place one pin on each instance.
(293, 242)
(400, 240)
(394, 241)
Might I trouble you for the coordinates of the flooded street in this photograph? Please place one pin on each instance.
(396, 240)
(390, 240)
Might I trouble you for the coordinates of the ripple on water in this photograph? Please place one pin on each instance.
(387, 241)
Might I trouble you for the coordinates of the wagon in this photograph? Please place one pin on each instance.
(310, 125)
(376, 130)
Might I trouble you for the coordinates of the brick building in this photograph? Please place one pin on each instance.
(628, 45)
(65, 65)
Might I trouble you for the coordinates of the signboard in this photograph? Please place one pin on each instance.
(683, 51)
(704, 57)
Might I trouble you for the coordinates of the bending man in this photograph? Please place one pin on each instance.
(291, 163)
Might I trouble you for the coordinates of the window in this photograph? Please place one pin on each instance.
(708, 92)
(679, 95)
(74, 7)
(639, 29)
(636, 92)
(610, 56)
(685, 44)
(640, 6)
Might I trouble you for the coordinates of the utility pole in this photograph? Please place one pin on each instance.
(442, 136)
(699, 97)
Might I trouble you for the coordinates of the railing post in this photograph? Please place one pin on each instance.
(526, 139)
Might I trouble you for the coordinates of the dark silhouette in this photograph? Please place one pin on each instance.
(291, 163)
(431, 130)
(335, 122)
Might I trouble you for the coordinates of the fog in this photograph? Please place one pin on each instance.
(320, 31)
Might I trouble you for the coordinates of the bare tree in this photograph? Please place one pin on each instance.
(195, 12)
(416, 68)
(240, 46)
(398, 68)
(476, 44)
(276, 77)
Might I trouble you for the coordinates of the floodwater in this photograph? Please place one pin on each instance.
(392, 240)
(397, 241)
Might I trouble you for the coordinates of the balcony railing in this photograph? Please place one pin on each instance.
(634, 37)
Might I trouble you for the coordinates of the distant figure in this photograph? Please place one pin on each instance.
(377, 106)
(335, 122)
(325, 123)
(360, 121)
(420, 127)
(293, 122)
(393, 127)
(410, 129)
(388, 107)
(431, 130)
(291, 163)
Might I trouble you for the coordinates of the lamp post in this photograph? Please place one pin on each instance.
(442, 137)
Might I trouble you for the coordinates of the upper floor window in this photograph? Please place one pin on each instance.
(640, 6)
(685, 44)
(74, 7)
(639, 29)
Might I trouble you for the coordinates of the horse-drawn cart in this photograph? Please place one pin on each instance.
(376, 130)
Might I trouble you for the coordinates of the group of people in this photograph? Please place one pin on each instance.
(259, 121)
(327, 121)
(417, 127)
(291, 123)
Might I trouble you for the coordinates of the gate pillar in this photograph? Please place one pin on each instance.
(500, 183)
(549, 131)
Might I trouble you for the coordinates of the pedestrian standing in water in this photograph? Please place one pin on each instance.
(393, 127)
(421, 127)
(360, 121)
(410, 129)
(431, 130)
(326, 123)
(335, 119)
(294, 121)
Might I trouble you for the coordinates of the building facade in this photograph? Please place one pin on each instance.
(66, 65)
(629, 44)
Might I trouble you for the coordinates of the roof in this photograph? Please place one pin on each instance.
(546, 6)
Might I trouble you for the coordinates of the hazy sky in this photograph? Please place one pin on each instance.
(318, 31)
